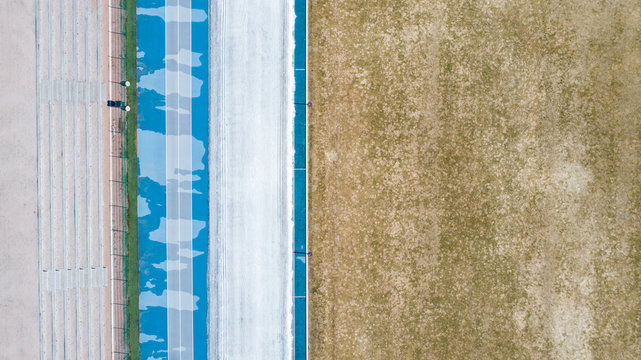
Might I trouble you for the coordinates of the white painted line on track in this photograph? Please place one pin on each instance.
(178, 171)
(63, 121)
(75, 177)
(51, 226)
(88, 195)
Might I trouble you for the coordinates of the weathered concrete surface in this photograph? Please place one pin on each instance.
(18, 187)
(475, 180)
(73, 158)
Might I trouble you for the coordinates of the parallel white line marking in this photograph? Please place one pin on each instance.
(169, 341)
(191, 217)
(179, 198)
(168, 165)
(51, 154)
(225, 170)
(74, 278)
(75, 169)
(63, 121)
(89, 194)
(190, 315)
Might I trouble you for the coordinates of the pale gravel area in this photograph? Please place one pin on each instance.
(18, 189)
(72, 130)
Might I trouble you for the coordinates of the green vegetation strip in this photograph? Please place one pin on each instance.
(132, 183)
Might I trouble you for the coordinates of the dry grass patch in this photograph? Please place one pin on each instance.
(475, 180)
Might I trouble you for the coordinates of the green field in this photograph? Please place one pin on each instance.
(475, 179)
(132, 185)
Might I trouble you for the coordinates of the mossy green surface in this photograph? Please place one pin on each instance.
(475, 179)
(132, 183)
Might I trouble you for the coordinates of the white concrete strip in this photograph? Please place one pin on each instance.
(63, 168)
(76, 177)
(179, 168)
(99, 178)
(40, 146)
(49, 62)
(78, 278)
(74, 90)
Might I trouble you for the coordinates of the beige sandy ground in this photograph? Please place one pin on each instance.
(62, 219)
(18, 189)
(475, 179)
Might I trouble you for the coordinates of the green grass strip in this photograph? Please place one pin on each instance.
(132, 183)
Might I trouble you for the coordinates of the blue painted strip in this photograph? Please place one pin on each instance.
(300, 34)
(300, 283)
(299, 211)
(299, 92)
(151, 186)
(200, 199)
(299, 138)
(300, 175)
(153, 217)
(300, 329)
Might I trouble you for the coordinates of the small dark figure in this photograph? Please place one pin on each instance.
(118, 104)
(114, 103)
